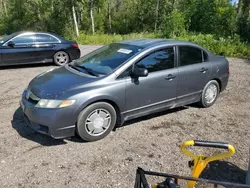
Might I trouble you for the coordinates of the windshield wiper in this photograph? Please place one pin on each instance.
(80, 67)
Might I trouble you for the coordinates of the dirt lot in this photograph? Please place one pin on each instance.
(28, 159)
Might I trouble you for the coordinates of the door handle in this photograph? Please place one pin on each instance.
(170, 77)
(203, 70)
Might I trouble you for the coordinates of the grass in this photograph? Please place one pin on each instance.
(106, 39)
(230, 47)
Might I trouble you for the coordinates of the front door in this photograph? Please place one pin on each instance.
(158, 89)
(20, 52)
(194, 70)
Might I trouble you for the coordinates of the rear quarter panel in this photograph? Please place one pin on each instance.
(220, 70)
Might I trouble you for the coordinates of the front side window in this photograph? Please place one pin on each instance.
(190, 55)
(106, 59)
(159, 60)
(45, 38)
(24, 39)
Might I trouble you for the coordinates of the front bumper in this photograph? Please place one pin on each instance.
(57, 123)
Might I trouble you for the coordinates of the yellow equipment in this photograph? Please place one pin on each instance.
(200, 162)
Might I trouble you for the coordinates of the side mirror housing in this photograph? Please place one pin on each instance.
(139, 72)
(11, 44)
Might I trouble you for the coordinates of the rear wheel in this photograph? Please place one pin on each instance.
(210, 94)
(96, 121)
(61, 58)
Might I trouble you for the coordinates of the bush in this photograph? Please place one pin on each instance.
(175, 24)
(106, 39)
(230, 47)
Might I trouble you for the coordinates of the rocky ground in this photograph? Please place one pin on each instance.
(28, 159)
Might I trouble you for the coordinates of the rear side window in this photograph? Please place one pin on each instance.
(45, 38)
(157, 61)
(24, 39)
(190, 55)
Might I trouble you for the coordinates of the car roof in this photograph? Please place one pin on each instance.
(155, 42)
(21, 32)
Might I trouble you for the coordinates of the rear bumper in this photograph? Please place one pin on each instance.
(56, 123)
(74, 53)
(224, 82)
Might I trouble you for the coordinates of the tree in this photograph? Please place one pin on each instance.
(91, 16)
(74, 18)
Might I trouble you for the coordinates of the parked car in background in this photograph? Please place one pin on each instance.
(37, 47)
(119, 82)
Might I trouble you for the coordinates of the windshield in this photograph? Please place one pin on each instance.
(105, 59)
(7, 37)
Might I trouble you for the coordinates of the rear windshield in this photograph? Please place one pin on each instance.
(105, 59)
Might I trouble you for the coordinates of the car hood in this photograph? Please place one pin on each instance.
(55, 84)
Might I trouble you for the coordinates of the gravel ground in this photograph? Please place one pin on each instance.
(28, 159)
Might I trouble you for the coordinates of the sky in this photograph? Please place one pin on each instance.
(234, 1)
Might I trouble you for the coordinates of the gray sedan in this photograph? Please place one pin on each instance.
(121, 81)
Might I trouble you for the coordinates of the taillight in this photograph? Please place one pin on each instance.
(75, 45)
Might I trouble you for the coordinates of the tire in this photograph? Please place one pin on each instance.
(96, 121)
(208, 98)
(61, 58)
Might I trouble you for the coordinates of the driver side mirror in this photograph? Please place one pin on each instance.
(11, 44)
(139, 72)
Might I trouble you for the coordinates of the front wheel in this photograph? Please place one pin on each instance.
(210, 94)
(96, 121)
(61, 58)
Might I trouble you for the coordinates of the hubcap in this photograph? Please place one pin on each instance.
(211, 93)
(61, 58)
(98, 122)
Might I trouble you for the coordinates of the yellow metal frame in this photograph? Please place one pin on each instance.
(200, 161)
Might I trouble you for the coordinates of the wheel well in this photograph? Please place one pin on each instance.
(117, 109)
(219, 82)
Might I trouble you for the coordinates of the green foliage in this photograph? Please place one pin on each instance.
(175, 24)
(223, 27)
(244, 21)
(231, 47)
(100, 39)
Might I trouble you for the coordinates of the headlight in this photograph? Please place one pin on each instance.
(46, 103)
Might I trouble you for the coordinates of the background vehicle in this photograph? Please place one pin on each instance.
(37, 47)
(122, 81)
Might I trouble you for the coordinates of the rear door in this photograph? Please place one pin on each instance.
(194, 69)
(46, 46)
(22, 52)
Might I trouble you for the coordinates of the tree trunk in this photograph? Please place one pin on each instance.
(52, 5)
(91, 16)
(238, 8)
(173, 4)
(74, 18)
(1, 8)
(5, 8)
(109, 15)
(156, 14)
